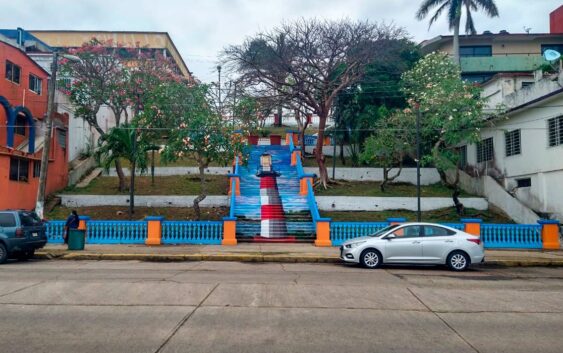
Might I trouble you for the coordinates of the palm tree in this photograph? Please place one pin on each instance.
(454, 8)
(124, 142)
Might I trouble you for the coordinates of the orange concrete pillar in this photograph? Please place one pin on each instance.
(236, 180)
(326, 141)
(550, 234)
(303, 188)
(294, 155)
(393, 221)
(83, 222)
(323, 232)
(229, 231)
(154, 230)
(472, 226)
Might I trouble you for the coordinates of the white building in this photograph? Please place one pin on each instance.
(523, 149)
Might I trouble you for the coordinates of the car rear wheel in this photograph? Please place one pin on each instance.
(371, 258)
(3, 253)
(458, 261)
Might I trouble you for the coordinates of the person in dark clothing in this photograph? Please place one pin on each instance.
(72, 222)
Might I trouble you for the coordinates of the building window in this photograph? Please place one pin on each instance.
(35, 84)
(19, 169)
(475, 50)
(61, 137)
(12, 72)
(21, 122)
(555, 131)
(524, 183)
(462, 152)
(512, 142)
(36, 169)
(556, 47)
(526, 84)
(476, 78)
(485, 151)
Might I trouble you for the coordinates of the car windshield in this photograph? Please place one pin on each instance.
(384, 230)
(29, 219)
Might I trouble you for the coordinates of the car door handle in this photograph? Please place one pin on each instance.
(416, 242)
(448, 241)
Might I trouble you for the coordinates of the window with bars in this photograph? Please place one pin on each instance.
(555, 131)
(19, 169)
(485, 151)
(12, 72)
(35, 84)
(36, 169)
(512, 142)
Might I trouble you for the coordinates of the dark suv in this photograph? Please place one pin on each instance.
(21, 232)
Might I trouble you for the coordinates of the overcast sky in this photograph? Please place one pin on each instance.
(201, 28)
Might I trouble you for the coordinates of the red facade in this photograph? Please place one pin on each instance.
(556, 21)
(23, 94)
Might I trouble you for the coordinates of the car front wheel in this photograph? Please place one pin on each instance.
(371, 258)
(458, 261)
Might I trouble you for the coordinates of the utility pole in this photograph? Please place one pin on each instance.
(219, 90)
(418, 215)
(234, 104)
(40, 203)
(132, 175)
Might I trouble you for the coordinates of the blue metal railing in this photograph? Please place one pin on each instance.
(524, 236)
(192, 232)
(55, 231)
(312, 202)
(342, 231)
(116, 232)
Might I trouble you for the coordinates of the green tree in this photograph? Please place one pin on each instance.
(198, 132)
(124, 142)
(451, 109)
(391, 143)
(454, 9)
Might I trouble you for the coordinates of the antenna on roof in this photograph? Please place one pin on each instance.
(527, 29)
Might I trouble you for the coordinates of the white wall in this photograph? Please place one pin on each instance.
(354, 203)
(141, 201)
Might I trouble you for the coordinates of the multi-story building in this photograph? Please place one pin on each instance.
(484, 55)
(23, 97)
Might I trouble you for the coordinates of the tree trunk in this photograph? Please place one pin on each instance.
(280, 112)
(120, 175)
(202, 194)
(456, 35)
(132, 191)
(319, 157)
(387, 178)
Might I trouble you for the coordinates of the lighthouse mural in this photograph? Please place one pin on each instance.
(272, 218)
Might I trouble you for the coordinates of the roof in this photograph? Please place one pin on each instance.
(130, 39)
(433, 44)
(25, 54)
(27, 37)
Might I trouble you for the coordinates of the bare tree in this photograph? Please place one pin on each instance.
(310, 62)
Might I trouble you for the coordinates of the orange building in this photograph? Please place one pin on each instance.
(23, 107)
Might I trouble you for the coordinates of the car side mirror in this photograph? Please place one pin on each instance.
(390, 236)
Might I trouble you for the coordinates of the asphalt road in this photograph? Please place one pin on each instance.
(88, 306)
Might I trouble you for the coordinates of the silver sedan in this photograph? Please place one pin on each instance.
(415, 243)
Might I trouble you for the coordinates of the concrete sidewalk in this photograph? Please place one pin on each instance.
(252, 252)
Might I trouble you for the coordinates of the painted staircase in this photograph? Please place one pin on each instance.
(296, 211)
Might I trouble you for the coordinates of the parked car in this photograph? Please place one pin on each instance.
(21, 233)
(415, 243)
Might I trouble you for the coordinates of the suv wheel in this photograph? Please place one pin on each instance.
(370, 258)
(3, 253)
(458, 261)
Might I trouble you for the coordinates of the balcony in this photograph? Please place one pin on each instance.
(502, 63)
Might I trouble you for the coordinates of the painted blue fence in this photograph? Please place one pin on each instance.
(55, 231)
(116, 232)
(523, 236)
(342, 231)
(192, 232)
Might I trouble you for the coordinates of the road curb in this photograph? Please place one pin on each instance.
(258, 257)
